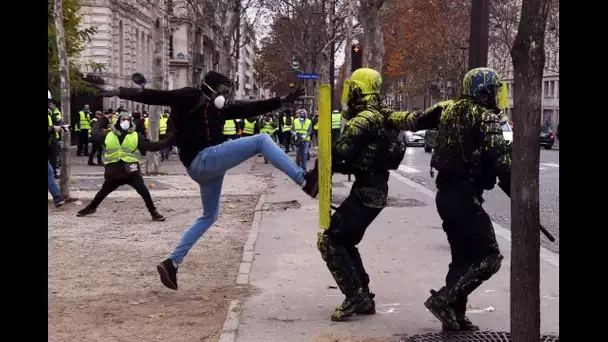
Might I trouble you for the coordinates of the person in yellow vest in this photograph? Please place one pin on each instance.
(230, 129)
(314, 141)
(250, 127)
(336, 123)
(302, 128)
(162, 134)
(96, 147)
(83, 127)
(285, 125)
(53, 189)
(268, 127)
(53, 146)
(121, 157)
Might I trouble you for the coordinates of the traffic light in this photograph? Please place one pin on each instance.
(356, 57)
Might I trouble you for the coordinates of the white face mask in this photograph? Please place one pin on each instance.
(219, 102)
(125, 125)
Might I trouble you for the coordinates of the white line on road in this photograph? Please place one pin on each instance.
(407, 169)
(545, 254)
(550, 164)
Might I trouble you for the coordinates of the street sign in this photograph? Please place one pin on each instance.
(308, 76)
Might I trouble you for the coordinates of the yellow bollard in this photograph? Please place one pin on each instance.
(324, 156)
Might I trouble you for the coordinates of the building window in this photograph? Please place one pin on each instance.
(171, 46)
(551, 89)
(546, 88)
(557, 89)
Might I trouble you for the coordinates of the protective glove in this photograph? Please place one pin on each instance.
(293, 96)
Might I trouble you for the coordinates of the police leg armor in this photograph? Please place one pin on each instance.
(337, 247)
(475, 253)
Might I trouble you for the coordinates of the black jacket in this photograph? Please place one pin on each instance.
(118, 170)
(196, 124)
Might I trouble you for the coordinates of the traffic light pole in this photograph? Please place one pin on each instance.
(479, 32)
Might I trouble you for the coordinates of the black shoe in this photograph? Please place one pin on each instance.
(466, 324)
(351, 306)
(168, 274)
(86, 211)
(90, 163)
(59, 203)
(56, 176)
(372, 309)
(440, 309)
(311, 187)
(156, 216)
(99, 163)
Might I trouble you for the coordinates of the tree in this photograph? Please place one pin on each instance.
(424, 51)
(64, 74)
(528, 53)
(75, 38)
(301, 30)
(372, 42)
(158, 39)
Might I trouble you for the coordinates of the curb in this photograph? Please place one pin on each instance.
(231, 324)
(545, 254)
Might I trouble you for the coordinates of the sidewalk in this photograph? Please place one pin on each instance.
(405, 252)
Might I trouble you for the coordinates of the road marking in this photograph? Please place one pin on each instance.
(545, 254)
(550, 164)
(407, 169)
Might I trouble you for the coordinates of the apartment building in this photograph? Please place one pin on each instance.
(191, 47)
(246, 89)
(123, 43)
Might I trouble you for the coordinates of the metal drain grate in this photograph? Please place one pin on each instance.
(479, 336)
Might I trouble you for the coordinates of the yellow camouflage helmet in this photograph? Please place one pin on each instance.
(362, 83)
(480, 81)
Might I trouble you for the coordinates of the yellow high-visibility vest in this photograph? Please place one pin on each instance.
(268, 129)
(162, 126)
(297, 125)
(127, 151)
(85, 118)
(92, 122)
(249, 127)
(336, 120)
(229, 128)
(286, 128)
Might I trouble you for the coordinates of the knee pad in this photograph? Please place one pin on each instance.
(489, 266)
(323, 245)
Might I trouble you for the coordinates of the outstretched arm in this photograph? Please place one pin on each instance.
(419, 120)
(184, 97)
(243, 110)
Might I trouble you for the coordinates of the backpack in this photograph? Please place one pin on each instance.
(392, 147)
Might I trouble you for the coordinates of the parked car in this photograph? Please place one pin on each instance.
(547, 139)
(414, 138)
(430, 138)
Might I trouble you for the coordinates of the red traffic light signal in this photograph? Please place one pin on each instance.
(356, 57)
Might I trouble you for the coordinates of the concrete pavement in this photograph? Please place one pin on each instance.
(405, 252)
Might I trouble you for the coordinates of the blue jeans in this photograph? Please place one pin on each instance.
(54, 190)
(208, 170)
(303, 158)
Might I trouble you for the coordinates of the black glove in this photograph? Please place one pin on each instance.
(293, 96)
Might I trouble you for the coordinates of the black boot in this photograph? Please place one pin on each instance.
(460, 309)
(361, 302)
(372, 309)
(88, 210)
(168, 274)
(311, 185)
(438, 305)
(156, 216)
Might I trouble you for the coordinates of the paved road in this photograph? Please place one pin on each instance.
(415, 166)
